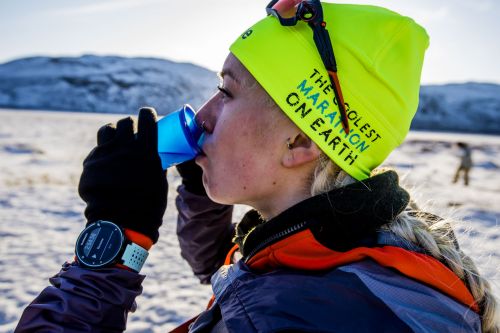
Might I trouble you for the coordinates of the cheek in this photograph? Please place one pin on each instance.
(223, 186)
(231, 175)
(237, 167)
(243, 160)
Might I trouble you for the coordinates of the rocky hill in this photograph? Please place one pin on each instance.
(122, 85)
(103, 84)
(468, 107)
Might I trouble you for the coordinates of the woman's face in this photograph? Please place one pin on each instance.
(245, 139)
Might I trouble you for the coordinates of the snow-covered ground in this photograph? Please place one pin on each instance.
(41, 214)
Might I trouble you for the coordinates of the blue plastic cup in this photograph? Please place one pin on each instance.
(179, 137)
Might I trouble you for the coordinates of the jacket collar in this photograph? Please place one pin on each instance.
(302, 252)
(340, 219)
(340, 227)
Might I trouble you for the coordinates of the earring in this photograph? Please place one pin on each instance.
(289, 145)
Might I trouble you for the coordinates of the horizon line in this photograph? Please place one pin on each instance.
(7, 60)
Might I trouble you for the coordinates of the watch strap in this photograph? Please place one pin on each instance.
(140, 239)
(134, 256)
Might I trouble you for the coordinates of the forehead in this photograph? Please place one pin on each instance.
(234, 70)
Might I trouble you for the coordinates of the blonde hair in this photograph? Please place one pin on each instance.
(432, 234)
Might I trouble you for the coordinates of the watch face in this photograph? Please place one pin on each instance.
(99, 244)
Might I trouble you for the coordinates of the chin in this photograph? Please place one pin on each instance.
(218, 197)
(216, 193)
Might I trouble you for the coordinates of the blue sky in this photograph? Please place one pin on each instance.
(464, 34)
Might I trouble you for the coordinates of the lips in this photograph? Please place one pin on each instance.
(203, 148)
(200, 158)
(202, 155)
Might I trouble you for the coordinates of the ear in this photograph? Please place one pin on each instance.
(302, 150)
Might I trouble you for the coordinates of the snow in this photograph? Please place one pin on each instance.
(41, 214)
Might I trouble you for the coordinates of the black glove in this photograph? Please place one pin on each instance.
(122, 180)
(191, 177)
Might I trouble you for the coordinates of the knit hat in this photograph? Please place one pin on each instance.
(379, 56)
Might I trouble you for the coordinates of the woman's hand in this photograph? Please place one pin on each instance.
(191, 174)
(286, 8)
(122, 180)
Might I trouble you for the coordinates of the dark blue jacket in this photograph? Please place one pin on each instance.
(359, 297)
(280, 285)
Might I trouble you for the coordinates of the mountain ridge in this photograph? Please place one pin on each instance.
(115, 84)
(109, 84)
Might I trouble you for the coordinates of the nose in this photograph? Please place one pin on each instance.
(206, 116)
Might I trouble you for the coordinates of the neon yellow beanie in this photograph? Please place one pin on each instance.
(379, 56)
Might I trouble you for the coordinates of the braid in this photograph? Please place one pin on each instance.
(328, 176)
(433, 234)
(437, 239)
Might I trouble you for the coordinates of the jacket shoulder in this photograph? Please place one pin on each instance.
(330, 301)
(362, 296)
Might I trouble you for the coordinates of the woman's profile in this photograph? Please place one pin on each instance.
(312, 99)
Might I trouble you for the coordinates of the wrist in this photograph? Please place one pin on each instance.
(138, 238)
(105, 244)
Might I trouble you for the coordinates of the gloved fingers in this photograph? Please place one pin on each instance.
(125, 129)
(191, 174)
(105, 134)
(189, 169)
(147, 134)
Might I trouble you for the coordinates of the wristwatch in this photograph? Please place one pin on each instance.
(103, 244)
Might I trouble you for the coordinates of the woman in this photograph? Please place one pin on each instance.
(332, 245)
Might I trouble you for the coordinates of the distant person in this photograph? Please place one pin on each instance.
(465, 163)
(331, 245)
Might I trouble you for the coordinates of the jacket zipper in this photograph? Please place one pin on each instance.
(275, 237)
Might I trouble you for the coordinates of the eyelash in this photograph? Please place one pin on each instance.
(224, 91)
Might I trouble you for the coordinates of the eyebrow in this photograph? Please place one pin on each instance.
(228, 73)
